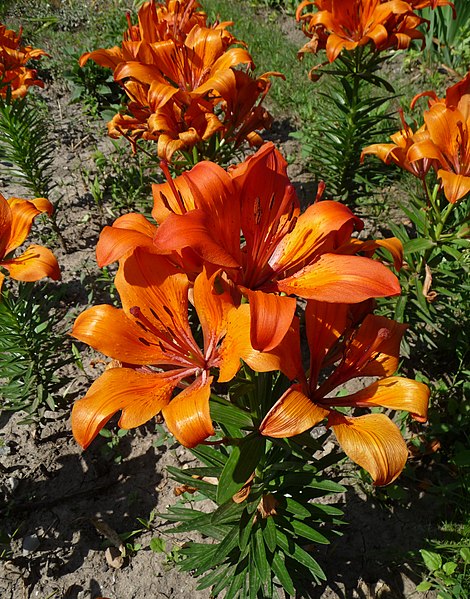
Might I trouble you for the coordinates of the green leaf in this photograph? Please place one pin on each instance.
(224, 581)
(240, 466)
(227, 512)
(462, 458)
(245, 528)
(418, 245)
(301, 556)
(424, 586)
(280, 570)
(212, 577)
(227, 413)
(303, 530)
(465, 554)
(449, 568)
(208, 455)
(254, 576)
(268, 527)
(433, 561)
(157, 545)
(237, 583)
(200, 557)
(296, 508)
(260, 555)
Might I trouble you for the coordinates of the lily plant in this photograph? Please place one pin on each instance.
(220, 296)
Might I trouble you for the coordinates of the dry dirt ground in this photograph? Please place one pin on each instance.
(55, 498)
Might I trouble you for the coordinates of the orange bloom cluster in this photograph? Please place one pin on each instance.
(339, 25)
(14, 75)
(180, 77)
(442, 142)
(235, 245)
(36, 262)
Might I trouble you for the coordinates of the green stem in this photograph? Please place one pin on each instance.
(435, 225)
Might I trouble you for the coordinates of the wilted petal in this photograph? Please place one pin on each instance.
(372, 441)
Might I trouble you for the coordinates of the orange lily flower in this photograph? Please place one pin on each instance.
(397, 152)
(157, 22)
(447, 144)
(457, 96)
(154, 352)
(36, 262)
(248, 223)
(373, 441)
(433, 4)
(14, 75)
(173, 125)
(182, 83)
(345, 25)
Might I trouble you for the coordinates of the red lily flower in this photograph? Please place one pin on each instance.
(371, 349)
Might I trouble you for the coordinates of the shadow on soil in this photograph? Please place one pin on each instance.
(55, 514)
(371, 554)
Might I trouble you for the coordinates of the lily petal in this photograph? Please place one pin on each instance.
(291, 415)
(455, 186)
(372, 441)
(111, 332)
(342, 279)
(396, 393)
(35, 263)
(139, 395)
(271, 317)
(188, 417)
(213, 303)
(325, 323)
(128, 232)
(192, 230)
(237, 345)
(23, 213)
